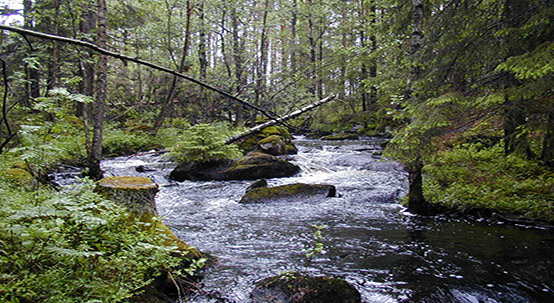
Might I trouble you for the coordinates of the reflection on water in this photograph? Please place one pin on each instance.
(386, 253)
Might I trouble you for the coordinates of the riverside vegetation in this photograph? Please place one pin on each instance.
(463, 88)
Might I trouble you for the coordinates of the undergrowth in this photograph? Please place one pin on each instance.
(75, 246)
(472, 176)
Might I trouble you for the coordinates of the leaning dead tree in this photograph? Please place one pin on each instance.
(280, 120)
(96, 48)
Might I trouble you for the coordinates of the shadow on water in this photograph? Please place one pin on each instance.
(386, 253)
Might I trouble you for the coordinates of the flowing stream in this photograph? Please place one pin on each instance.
(388, 254)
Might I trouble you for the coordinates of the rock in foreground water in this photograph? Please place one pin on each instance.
(297, 288)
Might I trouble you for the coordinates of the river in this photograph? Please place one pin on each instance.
(370, 240)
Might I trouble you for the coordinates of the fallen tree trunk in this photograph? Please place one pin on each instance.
(106, 52)
(280, 120)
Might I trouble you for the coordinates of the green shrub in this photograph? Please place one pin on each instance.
(473, 176)
(118, 142)
(205, 142)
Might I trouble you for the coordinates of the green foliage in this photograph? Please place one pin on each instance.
(205, 142)
(119, 142)
(473, 176)
(75, 246)
(317, 246)
(53, 135)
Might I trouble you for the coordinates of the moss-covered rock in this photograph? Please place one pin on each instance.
(258, 184)
(260, 165)
(18, 177)
(200, 170)
(297, 288)
(289, 193)
(342, 136)
(253, 166)
(275, 140)
(273, 145)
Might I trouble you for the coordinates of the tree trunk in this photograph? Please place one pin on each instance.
(166, 105)
(293, 43)
(33, 74)
(87, 25)
(547, 155)
(261, 70)
(416, 200)
(514, 116)
(54, 70)
(279, 120)
(237, 58)
(95, 155)
(202, 57)
(373, 48)
(313, 51)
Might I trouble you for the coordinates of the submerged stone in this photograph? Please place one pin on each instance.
(296, 288)
(289, 193)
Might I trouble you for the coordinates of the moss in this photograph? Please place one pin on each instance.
(344, 136)
(297, 288)
(290, 149)
(271, 139)
(289, 192)
(18, 177)
(20, 164)
(128, 182)
(250, 143)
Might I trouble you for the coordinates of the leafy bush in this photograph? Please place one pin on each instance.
(473, 176)
(118, 142)
(75, 246)
(205, 142)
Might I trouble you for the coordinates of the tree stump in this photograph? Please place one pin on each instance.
(135, 193)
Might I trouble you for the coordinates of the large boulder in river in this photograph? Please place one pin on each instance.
(258, 165)
(293, 287)
(274, 140)
(289, 193)
(273, 145)
(250, 167)
(200, 171)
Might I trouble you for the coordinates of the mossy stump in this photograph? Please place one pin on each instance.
(135, 193)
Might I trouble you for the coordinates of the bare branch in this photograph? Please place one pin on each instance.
(135, 60)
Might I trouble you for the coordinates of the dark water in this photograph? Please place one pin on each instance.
(386, 253)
